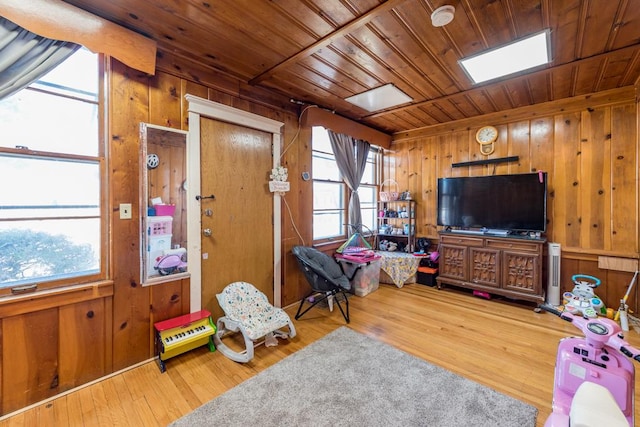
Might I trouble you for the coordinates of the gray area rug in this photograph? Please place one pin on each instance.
(349, 379)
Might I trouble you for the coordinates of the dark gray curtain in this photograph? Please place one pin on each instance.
(351, 156)
(25, 57)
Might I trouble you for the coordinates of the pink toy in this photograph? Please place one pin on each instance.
(602, 357)
(170, 264)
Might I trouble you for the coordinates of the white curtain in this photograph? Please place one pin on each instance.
(25, 57)
(351, 157)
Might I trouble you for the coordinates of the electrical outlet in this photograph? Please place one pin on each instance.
(125, 210)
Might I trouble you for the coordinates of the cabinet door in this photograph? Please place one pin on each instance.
(485, 267)
(521, 272)
(453, 262)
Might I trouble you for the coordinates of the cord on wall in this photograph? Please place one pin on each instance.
(299, 126)
(295, 137)
(293, 222)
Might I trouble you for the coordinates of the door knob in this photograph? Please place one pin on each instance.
(207, 232)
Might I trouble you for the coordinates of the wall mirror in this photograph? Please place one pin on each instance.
(163, 204)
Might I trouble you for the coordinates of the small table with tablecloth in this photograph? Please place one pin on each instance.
(399, 267)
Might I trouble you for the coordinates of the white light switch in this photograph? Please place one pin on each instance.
(125, 210)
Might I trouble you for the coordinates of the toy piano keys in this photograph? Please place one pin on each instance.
(183, 333)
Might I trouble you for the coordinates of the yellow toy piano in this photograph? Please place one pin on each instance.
(183, 333)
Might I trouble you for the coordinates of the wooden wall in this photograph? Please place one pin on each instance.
(159, 100)
(50, 344)
(589, 148)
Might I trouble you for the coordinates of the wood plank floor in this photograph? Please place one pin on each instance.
(498, 343)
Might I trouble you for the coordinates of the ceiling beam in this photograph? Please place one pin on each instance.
(316, 116)
(328, 39)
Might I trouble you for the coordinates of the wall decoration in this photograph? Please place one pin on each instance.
(278, 183)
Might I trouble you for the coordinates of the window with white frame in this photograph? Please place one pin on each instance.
(52, 172)
(331, 194)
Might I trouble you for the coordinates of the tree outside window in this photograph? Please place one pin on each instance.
(52, 169)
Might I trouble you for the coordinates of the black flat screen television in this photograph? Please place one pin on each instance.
(498, 202)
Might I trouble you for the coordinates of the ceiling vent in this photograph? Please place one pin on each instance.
(442, 16)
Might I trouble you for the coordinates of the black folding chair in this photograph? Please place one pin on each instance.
(326, 277)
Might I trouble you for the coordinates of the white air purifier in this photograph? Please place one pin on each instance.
(553, 288)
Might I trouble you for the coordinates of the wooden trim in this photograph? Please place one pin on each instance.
(594, 254)
(205, 107)
(193, 220)
(317, 116)
(58, 20)
(42, 300)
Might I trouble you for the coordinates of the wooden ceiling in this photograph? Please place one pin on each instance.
(322, 51)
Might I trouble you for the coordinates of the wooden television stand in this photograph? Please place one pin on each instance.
(509, 266)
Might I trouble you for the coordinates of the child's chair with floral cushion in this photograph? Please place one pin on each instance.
(248, 310)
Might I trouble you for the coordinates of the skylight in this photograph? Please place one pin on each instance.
(380, 98)
(512, 58)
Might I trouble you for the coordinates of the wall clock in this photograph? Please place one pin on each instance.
(486, 136)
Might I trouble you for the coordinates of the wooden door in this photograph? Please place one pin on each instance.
(235, 165)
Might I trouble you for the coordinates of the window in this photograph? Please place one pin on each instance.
(331, 194)
(52, 173)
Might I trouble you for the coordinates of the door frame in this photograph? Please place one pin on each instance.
(197, 108)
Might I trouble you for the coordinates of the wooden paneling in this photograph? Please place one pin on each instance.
(50, 347)
(624, 178)
(129, 106)
(566, 153)
(590, 155)
(29, 358)
(83, 344)
(165, 106)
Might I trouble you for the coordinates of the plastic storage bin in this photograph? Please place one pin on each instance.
(158, 240)
(159, 226)
(165, 210)
(366, 280)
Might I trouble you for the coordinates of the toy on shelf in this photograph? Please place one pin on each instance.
(387, 245)
(582, 299)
